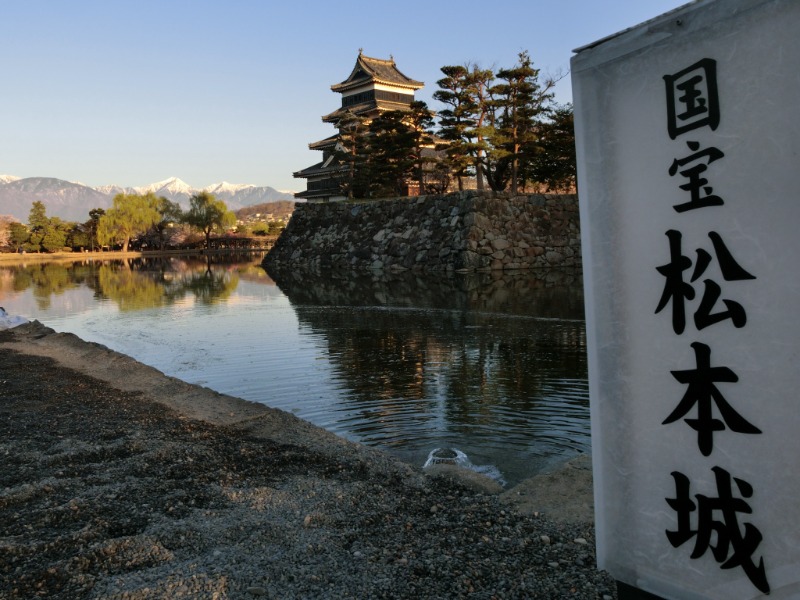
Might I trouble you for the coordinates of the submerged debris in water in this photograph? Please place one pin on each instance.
(457, 458)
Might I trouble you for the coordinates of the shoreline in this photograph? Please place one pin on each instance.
(348, 520)
(10, 258)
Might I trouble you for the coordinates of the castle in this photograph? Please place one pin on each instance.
(374, 86)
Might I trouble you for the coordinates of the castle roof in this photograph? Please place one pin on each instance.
(328, 142)
(317, 169)
(377, 70)
(369, 108)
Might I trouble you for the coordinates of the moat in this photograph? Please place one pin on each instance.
(492, 364)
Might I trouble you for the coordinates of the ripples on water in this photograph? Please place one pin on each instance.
(492, 366)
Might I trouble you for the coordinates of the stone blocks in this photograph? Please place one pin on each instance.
(464, 231)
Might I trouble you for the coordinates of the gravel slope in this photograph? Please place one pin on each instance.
(114, 493)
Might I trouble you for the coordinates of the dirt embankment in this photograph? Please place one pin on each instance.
(120, 482)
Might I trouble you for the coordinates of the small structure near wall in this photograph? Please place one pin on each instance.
(374, 86)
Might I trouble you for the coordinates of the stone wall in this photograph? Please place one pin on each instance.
(462, 231)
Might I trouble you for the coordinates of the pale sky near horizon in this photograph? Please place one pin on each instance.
(134, 92)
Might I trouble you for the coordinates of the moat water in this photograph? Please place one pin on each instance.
(493, 365)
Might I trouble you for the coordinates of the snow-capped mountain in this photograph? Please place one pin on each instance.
(227, 189)
(113, 190)
(73, 201)
(172, 188)
(64, 199)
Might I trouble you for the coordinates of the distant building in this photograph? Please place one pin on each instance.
(373, 87)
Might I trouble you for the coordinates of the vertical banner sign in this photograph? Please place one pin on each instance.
(688, 139)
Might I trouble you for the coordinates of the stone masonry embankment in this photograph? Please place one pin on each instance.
(462, 231)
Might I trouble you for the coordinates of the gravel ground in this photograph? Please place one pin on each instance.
(110, 493)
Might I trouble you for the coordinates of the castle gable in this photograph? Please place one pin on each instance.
(376, 70)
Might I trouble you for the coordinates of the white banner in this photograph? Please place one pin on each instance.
(689, 184)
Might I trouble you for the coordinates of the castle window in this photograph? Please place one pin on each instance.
(358, 98)
(394, 97)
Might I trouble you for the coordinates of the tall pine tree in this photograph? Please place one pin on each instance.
(522, 101)
(351, 155)
(456, 120)
(391, 161)
(554, 164)
(420, 120)
(465, 123)
(479, 81)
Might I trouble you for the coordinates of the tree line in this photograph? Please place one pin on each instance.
(503, 130)
(154, 222)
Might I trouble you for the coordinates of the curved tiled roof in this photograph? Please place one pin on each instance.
(374, 106)
(326, 143)
(378, 70)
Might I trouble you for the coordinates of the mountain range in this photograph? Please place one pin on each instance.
(72, 201)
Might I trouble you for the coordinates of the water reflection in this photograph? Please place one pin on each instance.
(135, 284)
(491, 363)
(46, 280)
(553, 293)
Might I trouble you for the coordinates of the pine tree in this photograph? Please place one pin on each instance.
(37, 218)
(480, 81)
(420, 121)
(496, 165)
(54, 237)
(90, 226)
(351, 155)
(465, 123)
(46, 233)
(391, 162)
(456, 121)
(19, 235)
(521, 102)
(554, 164)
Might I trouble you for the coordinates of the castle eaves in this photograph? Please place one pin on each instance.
(376, 70)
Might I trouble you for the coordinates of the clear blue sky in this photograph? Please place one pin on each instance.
(133, 92)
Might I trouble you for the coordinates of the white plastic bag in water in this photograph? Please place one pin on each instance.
(8, 321)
